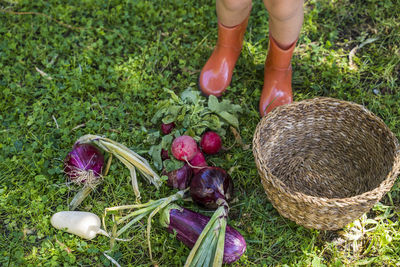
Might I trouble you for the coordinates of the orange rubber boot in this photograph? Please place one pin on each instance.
(216, 74)
(277, 89)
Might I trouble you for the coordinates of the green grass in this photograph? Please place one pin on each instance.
(107, 63)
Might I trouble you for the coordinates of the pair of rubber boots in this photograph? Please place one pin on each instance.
(216, 74)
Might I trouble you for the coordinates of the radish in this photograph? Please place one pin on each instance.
(184, 148)
(198, 161)
(211, 143)
(167, 128)
(80, 223)
(164, 154)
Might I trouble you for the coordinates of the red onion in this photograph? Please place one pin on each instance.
(84, 164)
(179, 178)
(209, 185)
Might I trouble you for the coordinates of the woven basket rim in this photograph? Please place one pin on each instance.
(383, 187)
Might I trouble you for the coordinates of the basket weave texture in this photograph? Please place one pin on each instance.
(324, 162)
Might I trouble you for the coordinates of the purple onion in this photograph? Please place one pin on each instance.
(209, 185)
(84, 163)
(179, 178)
(188, 226)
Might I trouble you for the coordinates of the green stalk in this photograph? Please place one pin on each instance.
(209, 247)
(164, 203)
(136, 219)
(219, 251)
(80, 196)
(150, 208)
(128, 157)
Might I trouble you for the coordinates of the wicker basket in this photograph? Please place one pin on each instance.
(324, 162)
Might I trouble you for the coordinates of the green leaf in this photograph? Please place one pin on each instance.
(152, 137)
(213, 103)
(166, 141)
(225, 105)
(231, 119)
(155, 153)
(172, 164)
(190, 96)
(171, 114)
(174, 97)
(162, 109)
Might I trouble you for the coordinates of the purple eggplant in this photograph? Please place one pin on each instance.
(188, 226)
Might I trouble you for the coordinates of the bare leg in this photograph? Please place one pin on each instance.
(285, 20)
(232, 12)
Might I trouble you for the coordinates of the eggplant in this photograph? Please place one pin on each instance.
(188, 226)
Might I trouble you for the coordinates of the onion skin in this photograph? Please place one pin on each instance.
(180, 178)
(209, 185)
(84, 158)
(188, 226)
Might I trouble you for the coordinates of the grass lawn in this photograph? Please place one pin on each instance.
(69, 68)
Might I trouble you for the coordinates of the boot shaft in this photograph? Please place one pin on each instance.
(277, 57)
(232, 37)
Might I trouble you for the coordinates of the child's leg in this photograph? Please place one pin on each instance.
(232, 12)
(216, 74)
(286, 18)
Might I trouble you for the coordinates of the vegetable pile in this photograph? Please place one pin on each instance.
(191, 130)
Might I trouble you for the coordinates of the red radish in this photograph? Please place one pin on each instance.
(164, 154)
(184, 148)
(198, 161)
(211, 143)
(167, 128)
